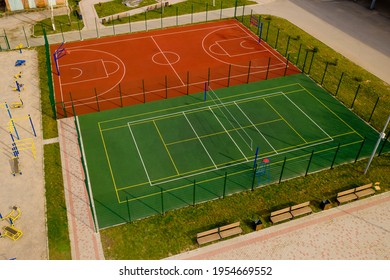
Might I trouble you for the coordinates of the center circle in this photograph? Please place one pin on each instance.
(165, 58)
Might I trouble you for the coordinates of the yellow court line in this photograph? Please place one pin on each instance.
(201, 102)
(109, 163)
(241, 171)
(166, 148)
(333, 113)
(285, 120)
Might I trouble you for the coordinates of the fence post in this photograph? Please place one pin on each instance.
(269, 63)
(6, 39)
(360, 149)
(192, 13)
(304, 61)
(285, 69)
(357, 91)
(281, 173)
(235, 9)
(230, 69)
(288, 44)
(311, 62)
(249, 71)
(299, 54)
(335, 155)
(177, 16)
(129, 24)
(193, 193)
(96, 26)
(97, 100)
(373, 109)
(266, 37)
(339, 84)
(78, 25)
(277, 39)
(146, 22)
(224, 185)
(128, 208)
(120, 94)
(25, 36)
(308, 165)
(207, 9)
(243, 12)
(323, 76)
(220, 13)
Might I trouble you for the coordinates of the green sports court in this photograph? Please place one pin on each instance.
(150, 158)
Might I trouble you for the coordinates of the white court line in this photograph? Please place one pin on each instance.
(83, 62)
(228, 133)
(307, 115)
(199, 140)
(139, 153)
(167, 60)
(266, 140)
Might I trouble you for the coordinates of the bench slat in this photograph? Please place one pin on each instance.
(345, 192)
(208, 232)
(365, 192)
(230, 232)
(237, 224)
(281, 217)
(301, 211)
(367, 186)
(346, 198)
(279, 212)
(208, 238)
(302, 205)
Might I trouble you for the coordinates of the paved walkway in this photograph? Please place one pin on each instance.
(355, 231)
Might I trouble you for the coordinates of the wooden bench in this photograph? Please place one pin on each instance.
(364, 190)
(301, 209)
(346, 196)
(218, 233)
(355, 193)
(281, 215)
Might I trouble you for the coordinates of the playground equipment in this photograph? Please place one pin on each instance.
(13, 215)
(10, 231)
(17, 104)
(19, 47)
(18, 86)
(20, 62)
(23, 145)
(12, 127)
(15, 166)
(18, 75)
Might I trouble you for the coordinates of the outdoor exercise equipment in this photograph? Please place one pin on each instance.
(20, 62)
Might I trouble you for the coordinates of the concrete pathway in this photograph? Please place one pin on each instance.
(355, 231)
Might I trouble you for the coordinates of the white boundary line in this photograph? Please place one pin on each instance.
(307, 115)
(139, 153)
(231, 138)
(256, 127)
(184, 114)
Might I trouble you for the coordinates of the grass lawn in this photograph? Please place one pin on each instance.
(116, 6)
(163, 235)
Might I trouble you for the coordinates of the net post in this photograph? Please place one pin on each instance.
(357, 91)
(373, 109)
(97, 100)
(360, 149)
(249, 71)
(230, 69)
(335, 155)
(224, 185)
(308, 165)
(339, 84)
(254, 177)
(281, 172)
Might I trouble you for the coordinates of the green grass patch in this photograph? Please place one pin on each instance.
(187, 7)
(116, 6)
(57, 224)
(62, 24)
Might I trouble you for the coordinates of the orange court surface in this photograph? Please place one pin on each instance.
(112, 72)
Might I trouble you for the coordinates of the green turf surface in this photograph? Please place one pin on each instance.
(154, 157)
